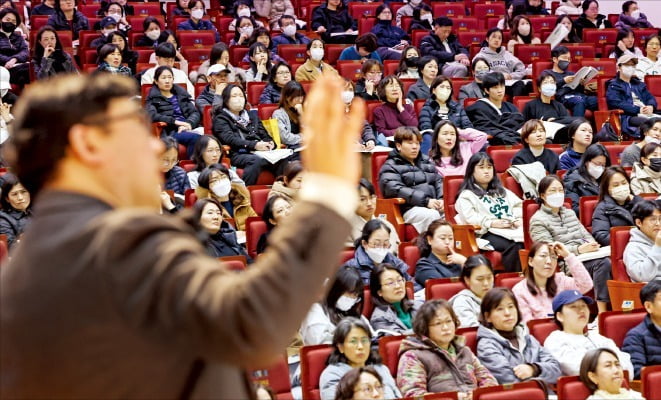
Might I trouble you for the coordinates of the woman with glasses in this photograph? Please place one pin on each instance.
(436, 359)
(352, 349)
(280, 76)
(207, 151)
(373, 248)
(393, 312)
(371, 72)
(535, 293)
(359, 384)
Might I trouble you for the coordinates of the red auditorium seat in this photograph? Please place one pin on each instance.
(508, 279)
(616, 324)
(571, 387)
(358, 10)
(466, 24)
(293, 52)
(650, 378)
(255, 90)
(447, 9)
(313, 363)
(619, 238)
(541, 328)
(531, 390)
(389, 351)
(443, 288)
(471, 337)
(275, 377)
(410, 254)
(349, 69)
(502, 156)
(467, 38)
(620, 291)
(265, 111)
(333, 52)
(580, 51)
(543, 22)
(255, 227)
(365, 24)
(490, 9)
(417, 35)
(189, 198)
(451, 186)
(146, 9)
(196, 38)
(234, 263)
(586, 206)
(600, 37)
(529, 53)
(258, 196)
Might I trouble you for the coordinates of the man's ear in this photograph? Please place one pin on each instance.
(86, 143)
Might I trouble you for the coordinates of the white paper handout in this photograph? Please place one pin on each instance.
(601, 253)
(273, 156)
(557, 35)
(584, 74)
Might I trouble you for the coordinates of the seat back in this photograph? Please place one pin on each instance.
(234, 263)
(365, 25)
(586, 206)
(255, 90)
(650, 379)
(502, 156)
(653, 83)
(275, 377)
(255, 228)
(378, 159)
(146, 9)
(467, 38)
(511, 184)
(508, 279)
(189, 198)
(313, 362)
(520, 101)
(443, 288)
(543, 22)
(529, 53)
(619, 292)
(531, 390)
(466, 23)
(488, 9)
(451, 185)
(410, 254)
(446, 9)
(616, 324)
(293, 52)
(615, 151)
(265, 111)
(258, 196)
(389, 351)
(333, 52)
(580, 51)
(541, 328)
(470, 335)
(417, 35)
(606, 66)
(619, 238)
(571, 387)
(530, 207)
(350, 69)
(197, 38)
(600, 37)
(358, 10)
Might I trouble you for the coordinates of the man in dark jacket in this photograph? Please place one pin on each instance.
(643, 342)
(217, 75)
(409, 174)
(630, 94)
(289, 35)
(444, 46)
(14, 54)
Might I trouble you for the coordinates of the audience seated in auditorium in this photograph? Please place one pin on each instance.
(260, 63)
(650, 64)
(365, 212)
(289, 35)
(646, 174)
(246, 27)
(643, 342)
(451, 147)
(443, 45)
(276, 210)
(387, 34)
(46, 7)
(14, 54)
(110, 61)
(485, 203)
(495, 116)
(650, 132)
(553, 223)
(577, 100)
(615, 204)
(263, 36)
(570, 343)
(642, 255)
(289, 183)
(153, 33)
(175, 176)
(274, 10)
(217, 77)
(408, 64)
(438, 257)
(67, 18)
(165, 55)
(196, 21)
(242, 9)
(477, 275)
(396, 111)
(333, 22)
(428, 70)
(571, 36)
(129, 57)
(364, 48)
(625, 44)
(580, 137)
(504, 345)
(15, 212)
(473, 90)
(546, 108)
(373, 248)
(360, 383)
(289, 114)
(590, 18)
(344, 299)
(602, 373)
(533, 137)
(422, 18)
(219, 55)
(409, 174)
(182, 8)
(221, 240)
(393, 311)
(314, 65)
(367, 137)
(407, 10)
(49, 59)
(436, 359)
(631, 17)
(208, 151)
(351, 349)
(535, 293)
(371, 75)
(584, 179)
(522, 32)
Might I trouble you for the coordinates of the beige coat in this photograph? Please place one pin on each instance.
(645, 180)
(308, 72)
(101, 303)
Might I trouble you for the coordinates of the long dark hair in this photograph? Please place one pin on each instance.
(495, 187)
(573, 127)
(253, 50)
(472, 262)
(341, 332)
(435, 151)
(268, 214)
(38, 52)
(593, 151)
(289, 91)
(622, 33)
(9, 181)
(607, 176)
(551, 286)
(423, 240)
(402, 67)
(514, 31)
(370, 227)
(200, 148)
(347, 279)
(375, 287)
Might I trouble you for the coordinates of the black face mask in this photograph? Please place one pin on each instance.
(412, 62)
(8, 27)
(655, 164)
(563, 65)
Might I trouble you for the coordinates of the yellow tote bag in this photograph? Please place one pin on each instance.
(272, 128)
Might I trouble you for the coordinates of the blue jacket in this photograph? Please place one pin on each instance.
(429, 116)
(431, 45)
(388, 35)
(364, 264)
(59, 22)
(202, 25)
(298, 38)
(351, 53)
(618, 95)
(431, 267)
(643, 343)
(13, 46)
(177, 180)
(270, 94)
(570, 159)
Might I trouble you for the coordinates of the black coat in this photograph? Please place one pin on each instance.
(431, 45)
(224, 243)
(429, 115)
(13, 223)
(416, 182)
(240, 139)
(609, 214)
(577, 186)
(59, 22)
(503, 127)
(160, 109)
(548, 158)
(333, 21)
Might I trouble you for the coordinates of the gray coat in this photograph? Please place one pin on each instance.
(284, 125)
(466, 305)
(642, 258)
(500, 357)
(563, 227)
(334, 372)
(470, 91)
(418, 90)
(386, 318)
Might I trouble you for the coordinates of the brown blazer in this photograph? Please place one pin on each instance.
(101, 303)
(308, 72)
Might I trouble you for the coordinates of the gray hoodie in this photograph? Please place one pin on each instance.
(467, 307)
(642, 257)
(503, 61)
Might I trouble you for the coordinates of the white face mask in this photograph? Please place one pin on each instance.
(377, 255)
(555, 200)
(627, 71)
(650, 139)
(442, 94)
(524, 30)
(595, 171)
(244, 12)
(154, 35)
(621, 193)
(289, 30)
(197, 13)
(221, 188)
(116, 17)
(317, 54)
(237, 103)
(635, 14)
(548, 89)
(427, 17)
(247, 30)
(344, 303)
(347, 96)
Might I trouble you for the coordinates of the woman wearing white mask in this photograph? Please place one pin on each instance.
(214, 182)
(521, 33)
(533, 137)
(196, 23)
(245, 27)
(345, 298)
(314, 65)
(583, 180)
(373, 248)
(647, 173)
(422, 18)
(553, 222)
(116, 12)
(242, 9)
(367, 137)
(221, 240)
(473, 90)
(546, 108)
(154, 33)
(615, 204)
(651, 131)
